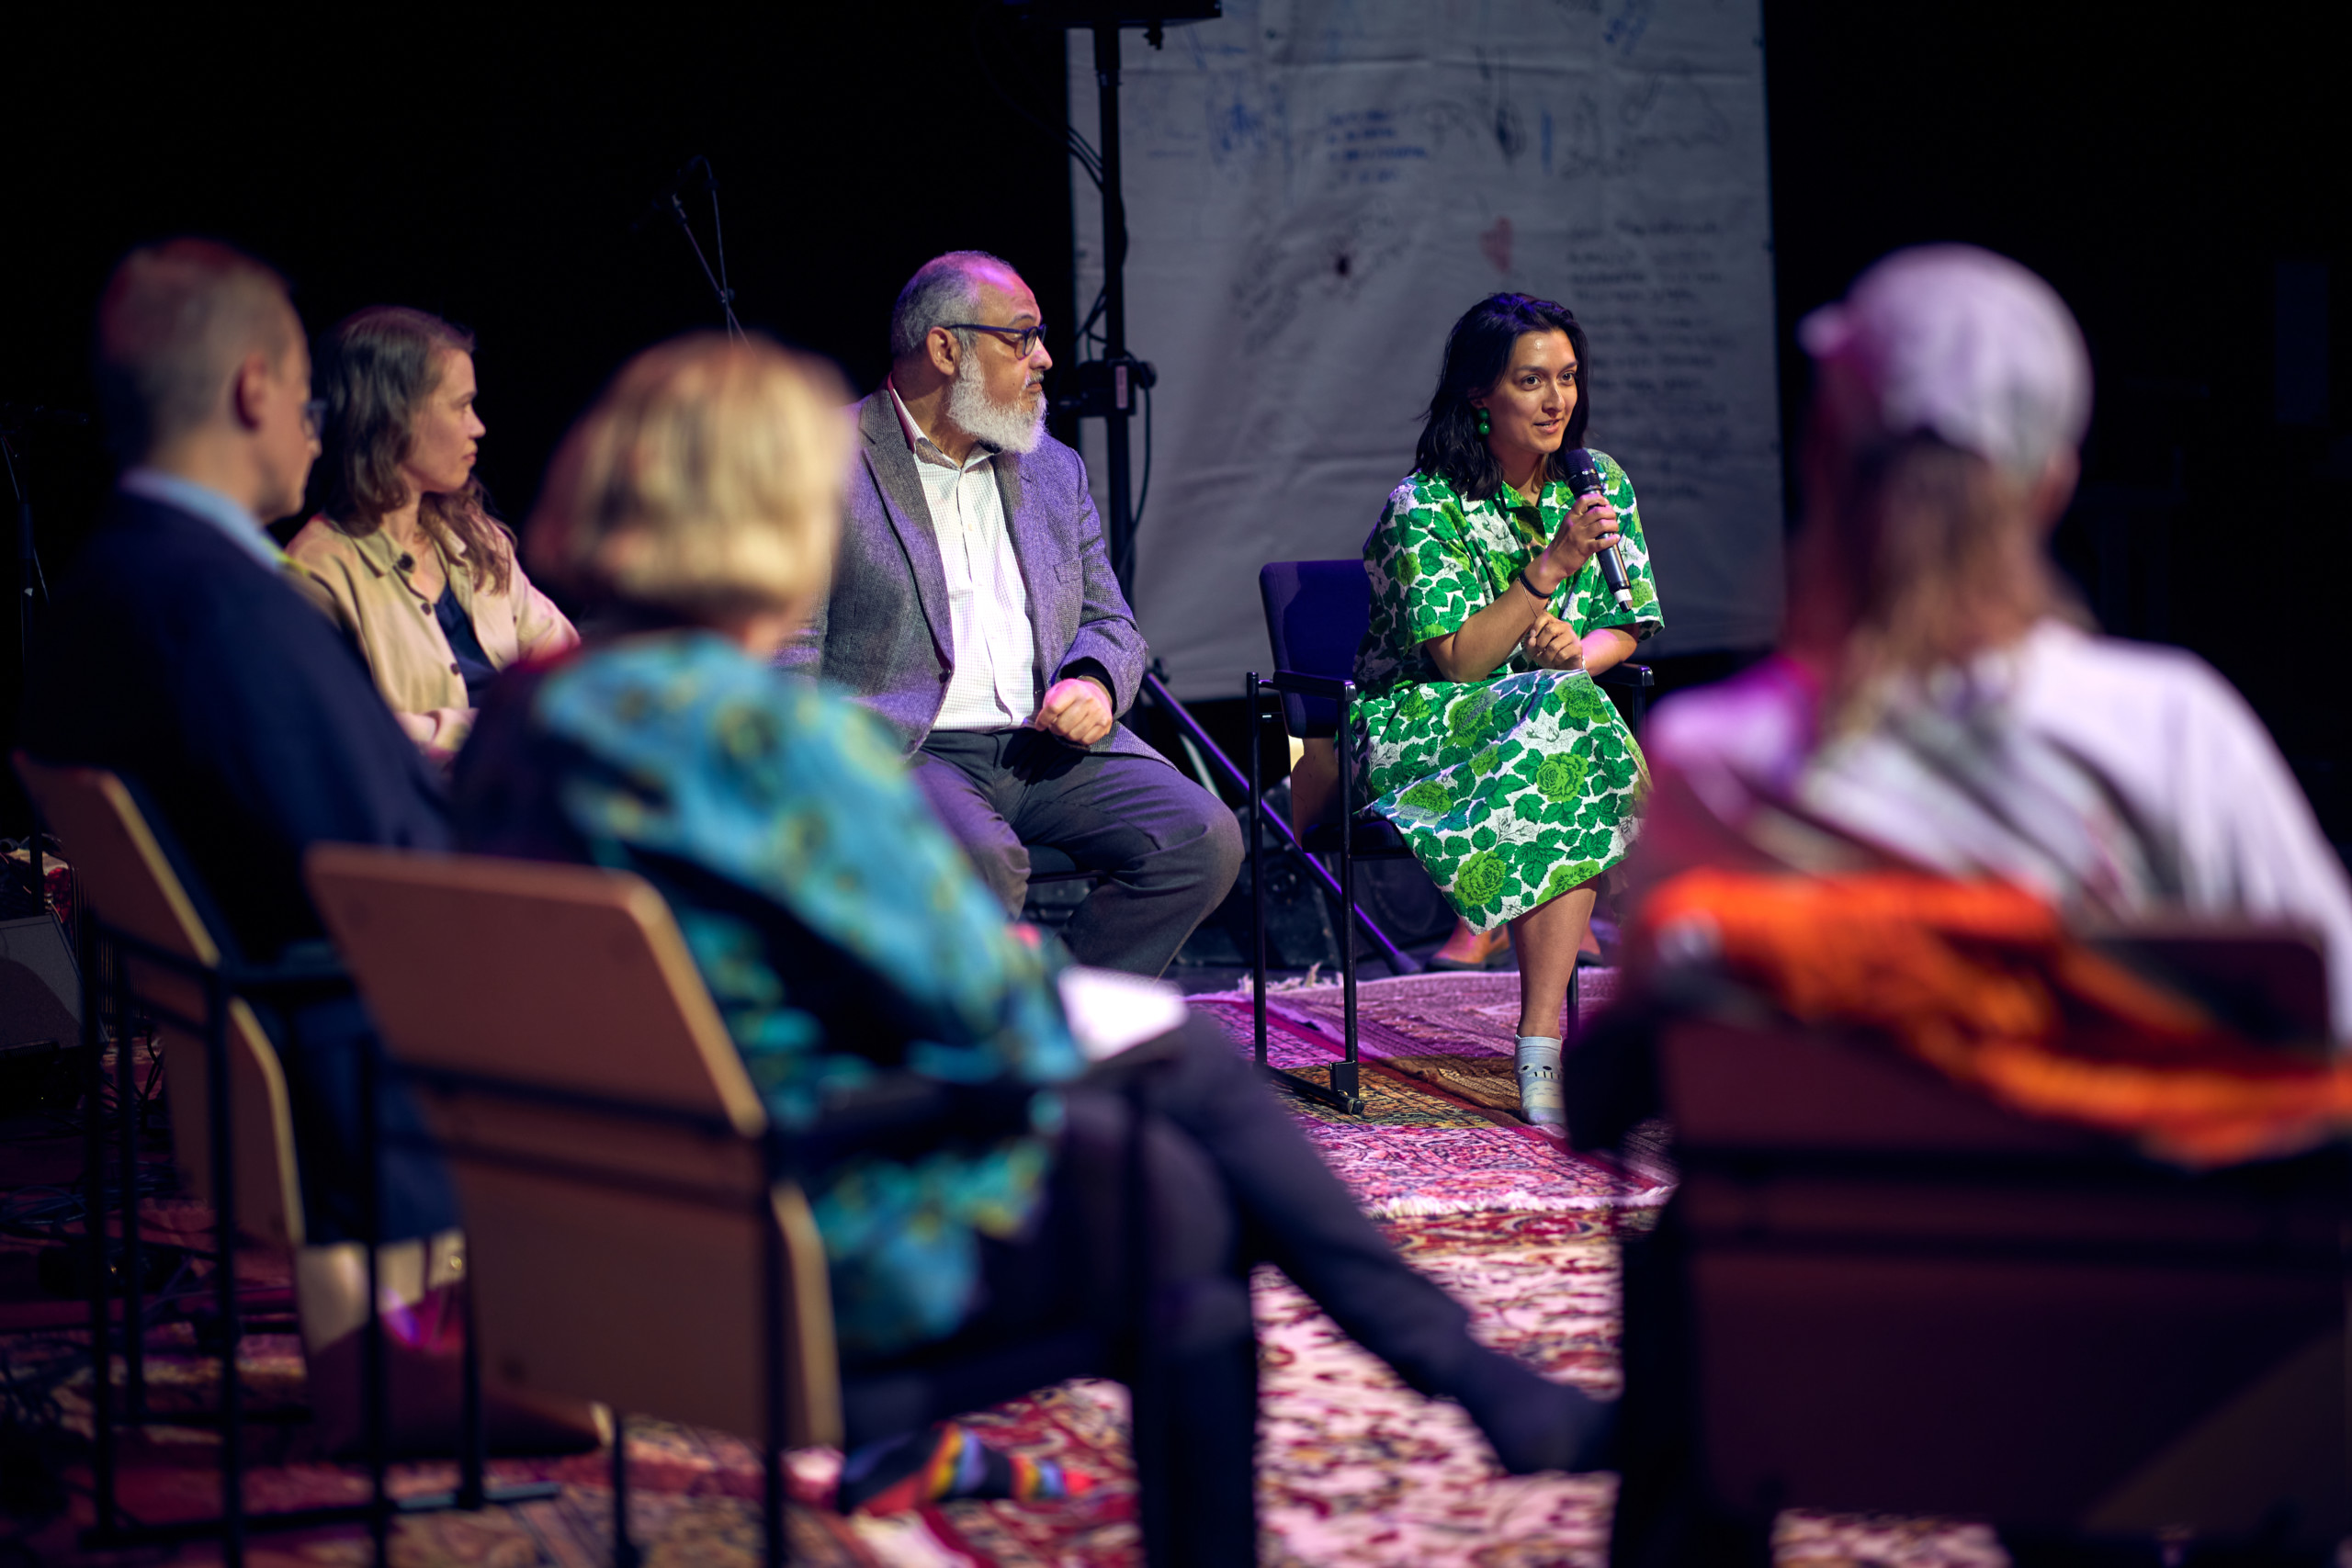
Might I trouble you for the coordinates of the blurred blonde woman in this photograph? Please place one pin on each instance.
(852, 948)
(405, 554)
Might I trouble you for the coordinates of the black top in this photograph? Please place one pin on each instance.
(465, 647)
(254, 730)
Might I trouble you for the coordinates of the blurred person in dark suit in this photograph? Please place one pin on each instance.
(179, 652)
(181, 655)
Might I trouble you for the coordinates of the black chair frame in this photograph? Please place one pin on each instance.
(106, 1010)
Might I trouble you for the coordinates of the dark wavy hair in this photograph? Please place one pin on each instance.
(374, 369)
(1477, 352)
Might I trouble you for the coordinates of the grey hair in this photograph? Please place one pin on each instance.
(941, 290)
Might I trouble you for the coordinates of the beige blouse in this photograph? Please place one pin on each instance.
(358, 583)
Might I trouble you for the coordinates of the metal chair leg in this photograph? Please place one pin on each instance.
(1256, 880)
(224, 1265)
(135, 1305)
(625, 1552)
(1345, 1080)
(96, 995)
(772, 1373)
(1342, 1092)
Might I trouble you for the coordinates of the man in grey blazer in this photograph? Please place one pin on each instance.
(974, 609)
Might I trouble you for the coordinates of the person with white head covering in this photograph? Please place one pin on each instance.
(1938, 702)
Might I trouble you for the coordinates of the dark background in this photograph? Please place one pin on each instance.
(2182, 185)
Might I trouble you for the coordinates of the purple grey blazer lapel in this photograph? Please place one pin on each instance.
(1040, 553)
(899, 488)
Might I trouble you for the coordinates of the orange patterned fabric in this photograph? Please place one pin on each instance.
(1981, 980)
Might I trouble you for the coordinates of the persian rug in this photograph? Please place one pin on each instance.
(1391, 1100)
(1451, 1032)
(1421, 1148)
(1354, 1467)
(1401, 1170)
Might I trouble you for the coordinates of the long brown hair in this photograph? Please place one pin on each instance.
(1940, 560)
(374, 369)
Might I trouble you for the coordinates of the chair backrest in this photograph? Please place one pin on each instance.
(122, 876)
(614, 1255)
(1904, 1298)
(1316, 612)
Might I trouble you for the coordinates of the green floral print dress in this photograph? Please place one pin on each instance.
(1513, 789)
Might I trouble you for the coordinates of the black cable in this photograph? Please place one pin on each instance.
(717, 280)
(719, 244)
(1075, 144)
(1090, 160)
(1085, 329)
(1134, 523)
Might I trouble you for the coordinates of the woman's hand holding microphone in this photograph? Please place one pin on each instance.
(1475, 650)
(1591, 527)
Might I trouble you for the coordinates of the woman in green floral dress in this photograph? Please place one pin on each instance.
(1481, 733)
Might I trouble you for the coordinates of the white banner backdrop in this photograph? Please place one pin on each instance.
(1316, 189)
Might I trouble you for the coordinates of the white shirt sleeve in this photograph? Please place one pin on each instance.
(2192, 759)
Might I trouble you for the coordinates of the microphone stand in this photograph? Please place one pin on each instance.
(1108, 390)
(670, 202)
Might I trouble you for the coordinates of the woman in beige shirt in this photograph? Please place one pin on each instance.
(405, 554)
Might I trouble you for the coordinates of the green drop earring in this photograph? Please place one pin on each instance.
(1486, 426)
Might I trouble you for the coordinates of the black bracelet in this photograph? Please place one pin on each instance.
(1541, 597)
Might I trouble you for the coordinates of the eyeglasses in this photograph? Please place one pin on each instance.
(1023, 341)
(315, 415)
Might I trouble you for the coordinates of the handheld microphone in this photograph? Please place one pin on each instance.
(1585, 480)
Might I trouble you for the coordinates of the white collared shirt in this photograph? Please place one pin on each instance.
(203, 501)
(992, 683)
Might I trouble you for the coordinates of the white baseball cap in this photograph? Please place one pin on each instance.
(1967, 345)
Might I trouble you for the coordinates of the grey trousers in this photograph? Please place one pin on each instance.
(1167, 849)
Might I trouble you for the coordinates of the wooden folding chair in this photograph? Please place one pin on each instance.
(1877, 1291)
(127, 881)
(633, 1239)
(219, 1072)
(145, 942)
(612, 1156)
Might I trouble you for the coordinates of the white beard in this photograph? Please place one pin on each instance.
(1001, 425)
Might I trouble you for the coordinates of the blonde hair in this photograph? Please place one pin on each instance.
(707, 481)
(1943, 562)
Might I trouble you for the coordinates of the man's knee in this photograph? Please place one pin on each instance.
(1211, 851)
(996, 852)
(1226, 846)
(1003, 865)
